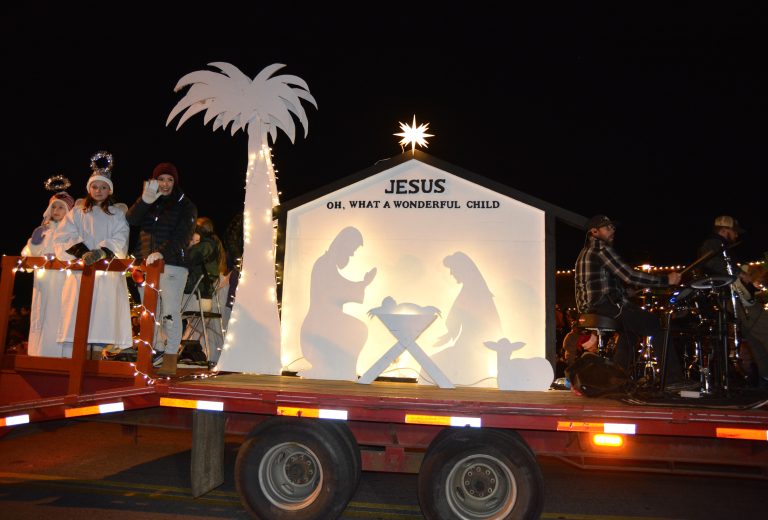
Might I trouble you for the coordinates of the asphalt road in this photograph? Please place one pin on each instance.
(82, 470)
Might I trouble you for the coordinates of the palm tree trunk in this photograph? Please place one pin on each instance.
(253, 335)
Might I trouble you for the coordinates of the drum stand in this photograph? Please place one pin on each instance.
(716, 370)
(645, 365)
(713, 366)
(703, 360)
(665, 326)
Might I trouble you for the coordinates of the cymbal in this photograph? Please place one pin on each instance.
(713, 282)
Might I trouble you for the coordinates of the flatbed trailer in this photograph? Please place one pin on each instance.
(306, 441)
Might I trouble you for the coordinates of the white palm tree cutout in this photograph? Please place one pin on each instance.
(259, 107)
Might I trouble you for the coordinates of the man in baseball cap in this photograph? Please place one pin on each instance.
(602, 281)
(599, 221)
(726, 221)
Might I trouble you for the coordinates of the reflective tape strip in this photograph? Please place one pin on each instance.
(340, 415)
(443, 420)
(568, 426)
(195, 404)
(742, 433)
(318, 413)
(13, 420)
(629, 429)
(94, 410)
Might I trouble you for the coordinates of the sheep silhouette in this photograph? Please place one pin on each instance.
(519, 373)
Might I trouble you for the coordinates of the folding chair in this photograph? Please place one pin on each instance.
(199, 314)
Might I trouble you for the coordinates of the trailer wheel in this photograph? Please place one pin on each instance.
(353, 450)
(294, 469)
(480, 474)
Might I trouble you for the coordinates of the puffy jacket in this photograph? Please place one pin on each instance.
(166, 226)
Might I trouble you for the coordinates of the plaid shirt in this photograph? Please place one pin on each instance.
(602, 276)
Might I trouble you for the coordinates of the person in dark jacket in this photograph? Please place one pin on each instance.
(202, 260)
(165, 217)
(752, 316)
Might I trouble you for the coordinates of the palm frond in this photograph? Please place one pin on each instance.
(192, 110)
(267, 71)
(230, 97)
(230, 70)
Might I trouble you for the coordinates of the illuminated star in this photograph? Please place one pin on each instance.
(414, 135)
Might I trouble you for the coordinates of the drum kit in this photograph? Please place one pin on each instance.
(700, 326)
(705, 334)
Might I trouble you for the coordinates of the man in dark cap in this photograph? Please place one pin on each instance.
(752, 317)
(602, 278)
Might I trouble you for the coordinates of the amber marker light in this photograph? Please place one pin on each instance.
(608, 440)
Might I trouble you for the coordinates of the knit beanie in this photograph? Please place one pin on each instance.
(166, 168)
(58, 183)
(65, 197)
(101, 165)
(98, 177)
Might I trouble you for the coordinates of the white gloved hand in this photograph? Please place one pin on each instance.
(151, 191)
(154, 257)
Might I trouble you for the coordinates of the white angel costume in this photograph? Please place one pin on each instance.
(110, 311)
(45, 311)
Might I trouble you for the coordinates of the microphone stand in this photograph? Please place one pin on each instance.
(667, 325)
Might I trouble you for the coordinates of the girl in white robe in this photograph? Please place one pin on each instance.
(94, 230)
(45, 311)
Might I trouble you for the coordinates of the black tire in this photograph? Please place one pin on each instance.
(350, 444)
(295, 469)
(471, 474)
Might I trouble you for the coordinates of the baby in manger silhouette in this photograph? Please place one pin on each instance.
(406, 321)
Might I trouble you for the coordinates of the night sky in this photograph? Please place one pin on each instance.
(654, 117)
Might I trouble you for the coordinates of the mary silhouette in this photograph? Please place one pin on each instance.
(331, 340)
(472, 320)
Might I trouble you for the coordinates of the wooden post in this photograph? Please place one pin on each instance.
(207, 465)
(7, 278)
(147, 322)
(82, 324)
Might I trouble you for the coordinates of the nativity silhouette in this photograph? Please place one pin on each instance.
(534, 373)
(472, 320)
(331, 340)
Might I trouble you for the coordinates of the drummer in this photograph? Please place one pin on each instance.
(602, 284)
(753, 317)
